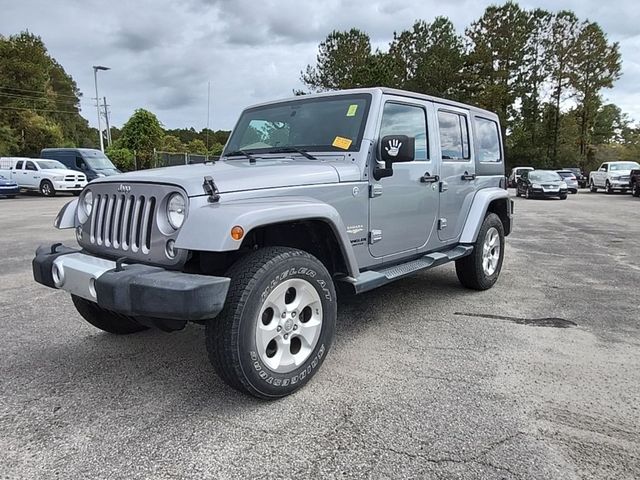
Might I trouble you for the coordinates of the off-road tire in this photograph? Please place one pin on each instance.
(231, 337)
(46, 189)
(469, 269)
(105, 319)
(635, 190)
(592, 187)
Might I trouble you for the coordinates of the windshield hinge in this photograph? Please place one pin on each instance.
(211, 189)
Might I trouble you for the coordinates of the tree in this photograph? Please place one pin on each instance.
(172, 144)
(122, 158)
(142, 134)
(596, 65)
(8, 141)
(36, 132)
(428, 58)
(342, 60)
(197, 146)
(496, 59)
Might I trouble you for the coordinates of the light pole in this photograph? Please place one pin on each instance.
(95, 81)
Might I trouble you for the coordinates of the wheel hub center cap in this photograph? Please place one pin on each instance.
(288, 325)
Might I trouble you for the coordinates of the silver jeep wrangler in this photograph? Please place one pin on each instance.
(340, 191)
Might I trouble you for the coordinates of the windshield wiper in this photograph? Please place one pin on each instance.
(235, 153)
(290, 149)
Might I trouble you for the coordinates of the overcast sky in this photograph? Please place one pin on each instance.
(163, 52)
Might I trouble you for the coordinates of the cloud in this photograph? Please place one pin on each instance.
(163, 53)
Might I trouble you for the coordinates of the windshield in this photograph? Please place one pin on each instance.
(623, 166)
(566, 174)
(520, 170)
(97, 161)
(46, 164)
(544, 176)
(318, 124)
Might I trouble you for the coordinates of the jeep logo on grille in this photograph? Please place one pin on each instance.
(124, 188)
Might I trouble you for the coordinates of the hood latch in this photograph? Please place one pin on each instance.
(210, 189)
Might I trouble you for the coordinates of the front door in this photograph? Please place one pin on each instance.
(457, 171)
(403, 207)
(32, 177)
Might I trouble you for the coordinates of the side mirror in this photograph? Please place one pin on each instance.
(393, 149)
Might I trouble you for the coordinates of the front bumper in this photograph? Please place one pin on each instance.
(66, 186)
(539, 192)
(135, 290)
(9, 190)
(619, 184)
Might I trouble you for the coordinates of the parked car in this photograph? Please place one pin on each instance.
(570, 179)
(46, 176)
(8, 188)
(516, 172)
(93, 163)
(582, 179)
(541, 183)
(260, 239)
(634, 182)
(612, 176)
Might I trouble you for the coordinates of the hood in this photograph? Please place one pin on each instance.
(620, 173)
(236, 175)
(59, 171)
(107, 171)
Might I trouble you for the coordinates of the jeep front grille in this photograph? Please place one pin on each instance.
(123, 222)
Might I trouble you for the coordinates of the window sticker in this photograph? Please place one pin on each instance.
(341, 142)
(352, 110)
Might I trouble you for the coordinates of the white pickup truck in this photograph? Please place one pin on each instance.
(46, 176)
(612, 176)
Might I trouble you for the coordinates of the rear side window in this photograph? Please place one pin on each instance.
(488, 140)
(19, 165)
(454, 136)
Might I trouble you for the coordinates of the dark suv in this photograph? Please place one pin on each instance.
(583, 180)
(634, 182)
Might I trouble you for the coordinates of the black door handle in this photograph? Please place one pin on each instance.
(426, 178)
(466, 176)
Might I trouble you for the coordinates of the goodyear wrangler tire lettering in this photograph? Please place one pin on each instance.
(277, 325)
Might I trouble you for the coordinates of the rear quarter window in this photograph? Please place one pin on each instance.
(488, 140)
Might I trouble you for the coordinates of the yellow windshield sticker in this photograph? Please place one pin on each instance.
(341, 142)
(352, 110)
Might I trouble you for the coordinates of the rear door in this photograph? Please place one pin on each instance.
(458, 171)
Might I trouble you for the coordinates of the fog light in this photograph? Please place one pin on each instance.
(79, 233)
(171, 249)
(57, 273)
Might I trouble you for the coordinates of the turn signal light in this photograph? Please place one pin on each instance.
(237, 232)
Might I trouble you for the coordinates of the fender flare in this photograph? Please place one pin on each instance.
(67, 217)
(208, 225)
(478, 210)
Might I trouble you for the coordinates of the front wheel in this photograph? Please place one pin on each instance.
(480, 270)
(46, 189)
(608, 187)
(563, 197)
(277, 324)
(635, 190)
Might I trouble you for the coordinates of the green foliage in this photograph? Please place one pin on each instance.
(8, 141)
(121, 157)
(197, 146)
(172, 144)
(36, 93)
(142, 134)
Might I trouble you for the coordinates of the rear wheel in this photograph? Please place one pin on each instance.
(104, 319)
(517, 192)
(635, 190)
(480, 270)
(592, 187)
(46, 189)
(527, 193)
(277, 324)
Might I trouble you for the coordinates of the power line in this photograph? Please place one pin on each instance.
(22, 96)
(41, 110)
(35, 91)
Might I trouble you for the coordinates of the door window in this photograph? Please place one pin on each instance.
(488, 140)
(454, 136)
(401, 119)
(19, 165)
(31, 166)
(80, 163)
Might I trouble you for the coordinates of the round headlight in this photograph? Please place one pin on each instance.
(87, 203)
(176, 210)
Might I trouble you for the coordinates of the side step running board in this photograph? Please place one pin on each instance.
(375, 278)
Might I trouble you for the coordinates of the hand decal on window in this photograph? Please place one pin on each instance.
(394, 147)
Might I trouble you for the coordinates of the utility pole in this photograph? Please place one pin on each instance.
(208, 110)
(106, 118)
(95, 81)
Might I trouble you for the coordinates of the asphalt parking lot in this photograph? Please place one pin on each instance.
(425, 379)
